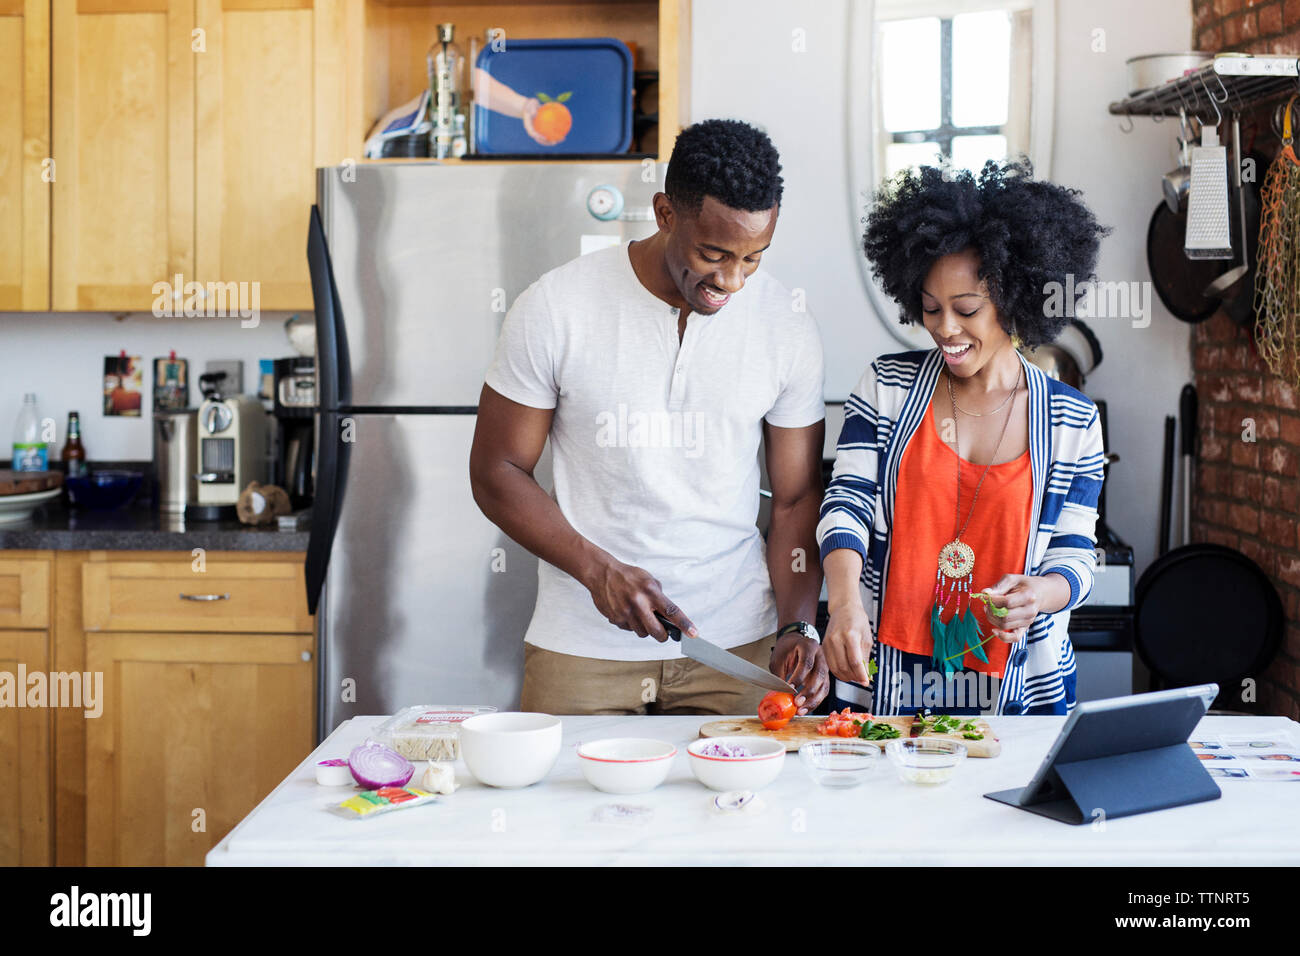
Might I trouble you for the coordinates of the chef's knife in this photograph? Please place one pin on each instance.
(733, 665)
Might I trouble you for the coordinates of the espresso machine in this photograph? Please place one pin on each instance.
(232, 449)
(294, 410)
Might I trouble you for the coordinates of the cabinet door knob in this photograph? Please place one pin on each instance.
(205, 597)
(306, 655)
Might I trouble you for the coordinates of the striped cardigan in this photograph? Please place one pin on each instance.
(1065, 447)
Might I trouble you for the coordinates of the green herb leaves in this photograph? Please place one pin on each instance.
(877, 730)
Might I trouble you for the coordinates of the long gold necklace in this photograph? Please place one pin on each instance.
(957, 566)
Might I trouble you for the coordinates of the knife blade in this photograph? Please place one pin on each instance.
(723, 661)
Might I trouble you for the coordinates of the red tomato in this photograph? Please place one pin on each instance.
(776, 710)
(841, 724)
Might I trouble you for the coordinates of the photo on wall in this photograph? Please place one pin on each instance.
(171, 388)
(123, 385)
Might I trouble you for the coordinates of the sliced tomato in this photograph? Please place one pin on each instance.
(776, 710)
(845, 723)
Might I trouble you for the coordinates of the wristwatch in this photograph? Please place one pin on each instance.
(803, 627)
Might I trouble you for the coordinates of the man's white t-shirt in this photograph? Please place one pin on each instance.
(655, 444)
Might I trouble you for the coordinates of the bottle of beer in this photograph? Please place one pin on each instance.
(74, 453)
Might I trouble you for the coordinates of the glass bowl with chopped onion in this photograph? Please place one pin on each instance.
(925, 761)
(839, 763)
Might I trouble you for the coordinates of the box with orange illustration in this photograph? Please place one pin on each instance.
(553, 97)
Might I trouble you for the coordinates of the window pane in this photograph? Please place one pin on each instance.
(970, 152)
(981, 68)
(899, 156)
(909, 74)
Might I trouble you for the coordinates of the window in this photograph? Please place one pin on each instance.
(952, 82)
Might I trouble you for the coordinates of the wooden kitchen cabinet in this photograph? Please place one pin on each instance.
(172, 595)
(186, 133)
(196, 730)
(26, 780)
(24, 151)
(398, 34)
(123, 81)
(26, 784)
(207, 705)
(271, 94)
(24, 590)
(186, 138)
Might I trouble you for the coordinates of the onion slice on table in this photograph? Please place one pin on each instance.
(373, 766)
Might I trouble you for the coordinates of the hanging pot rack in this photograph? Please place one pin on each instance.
(1233, 82)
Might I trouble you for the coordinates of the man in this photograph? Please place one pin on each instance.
(655, 368)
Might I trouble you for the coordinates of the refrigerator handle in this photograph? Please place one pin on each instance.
(331, 479)
(333, 390)
(333, 363)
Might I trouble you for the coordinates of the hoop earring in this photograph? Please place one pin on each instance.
(1016, 342)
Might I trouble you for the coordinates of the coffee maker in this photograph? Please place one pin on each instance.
(232, 449)
(295, 418)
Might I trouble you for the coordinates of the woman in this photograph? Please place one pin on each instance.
(966, 481)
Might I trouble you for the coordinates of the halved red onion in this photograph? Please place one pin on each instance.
(373, 766)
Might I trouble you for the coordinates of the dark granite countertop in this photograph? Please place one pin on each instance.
(140, 528)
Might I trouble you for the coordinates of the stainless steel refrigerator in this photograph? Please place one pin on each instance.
(419, 598)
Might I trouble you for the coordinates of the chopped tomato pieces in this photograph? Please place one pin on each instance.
(846, 723)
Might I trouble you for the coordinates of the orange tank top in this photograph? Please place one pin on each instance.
(924, 514)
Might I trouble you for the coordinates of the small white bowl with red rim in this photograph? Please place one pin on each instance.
(736, 763)
(626, 764)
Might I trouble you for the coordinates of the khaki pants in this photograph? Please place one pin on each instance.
(566, 684)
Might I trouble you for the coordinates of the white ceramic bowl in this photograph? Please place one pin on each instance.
(626, 764)
(511, 749)
(737, 773)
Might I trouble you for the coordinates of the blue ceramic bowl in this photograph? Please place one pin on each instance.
(103, 490)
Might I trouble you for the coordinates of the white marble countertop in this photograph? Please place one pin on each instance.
(883, 821)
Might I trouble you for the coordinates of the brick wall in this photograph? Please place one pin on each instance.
(1247, 494)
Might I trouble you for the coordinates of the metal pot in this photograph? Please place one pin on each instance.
(1155, 69)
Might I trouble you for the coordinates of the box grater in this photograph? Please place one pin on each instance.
(1208, 235)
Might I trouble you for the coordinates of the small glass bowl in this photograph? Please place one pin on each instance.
(839, 763)
(926, 761)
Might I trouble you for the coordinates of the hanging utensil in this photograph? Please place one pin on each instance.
(1187, 426)
(1239, 303)
(1277, 279)
(1178, 280)
(1176, 181)
(1208, 235)
(1235, 274)
(1166, 485)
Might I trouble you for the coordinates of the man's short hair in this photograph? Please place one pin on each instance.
(731, 161)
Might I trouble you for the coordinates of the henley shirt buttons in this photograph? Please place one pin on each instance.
(1020, 657)
(1014, 707)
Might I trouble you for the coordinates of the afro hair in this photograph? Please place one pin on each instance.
(1026, 232)
(729, 160)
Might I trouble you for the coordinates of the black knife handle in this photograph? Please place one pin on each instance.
(673, 630)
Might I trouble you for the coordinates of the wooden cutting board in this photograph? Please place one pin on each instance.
(26, 482)
(802, 730)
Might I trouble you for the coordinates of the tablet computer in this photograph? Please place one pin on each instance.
(1121, 756)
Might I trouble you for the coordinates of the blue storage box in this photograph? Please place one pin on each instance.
(590, 77)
